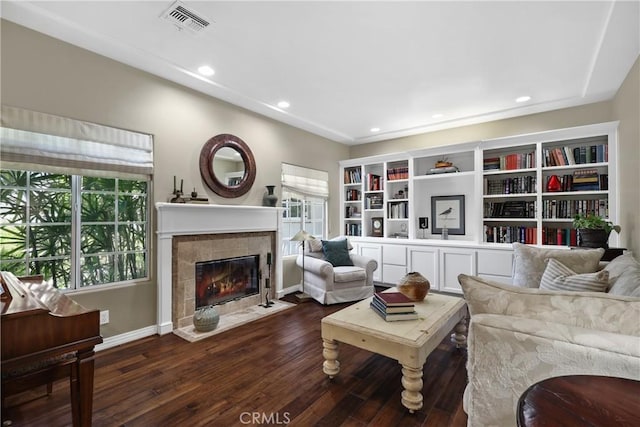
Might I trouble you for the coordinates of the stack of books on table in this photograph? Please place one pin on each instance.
(392, 306)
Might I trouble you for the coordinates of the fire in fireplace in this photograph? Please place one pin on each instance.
(222, 280)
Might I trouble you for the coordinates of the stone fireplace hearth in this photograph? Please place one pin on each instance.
(187, 250)
(190, 233)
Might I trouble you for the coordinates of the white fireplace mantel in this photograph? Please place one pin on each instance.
(176, 219)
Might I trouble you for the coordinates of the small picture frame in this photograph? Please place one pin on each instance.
(377, 226)
(447, 211)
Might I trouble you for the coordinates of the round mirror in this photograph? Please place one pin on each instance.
(227, 165)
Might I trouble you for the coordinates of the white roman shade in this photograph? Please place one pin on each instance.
(309, 182)
(55, 143)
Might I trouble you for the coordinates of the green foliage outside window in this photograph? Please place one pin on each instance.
(36, 226)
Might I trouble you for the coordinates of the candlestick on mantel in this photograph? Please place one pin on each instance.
(268, 258)
(181, 182)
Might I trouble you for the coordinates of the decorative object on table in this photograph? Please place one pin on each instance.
(376, 227)
(593, 230)
(447, 213)
(267, 283)
(206, 319)
(222, 153)
(393, 306)
(270, 199)
(302, 236)
(177, 194)
(554, 184)
(414, 286)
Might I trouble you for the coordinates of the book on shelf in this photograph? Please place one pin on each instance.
(393, 299)
(392, 317)
(392, 310)
(447, 169)
(374, 182)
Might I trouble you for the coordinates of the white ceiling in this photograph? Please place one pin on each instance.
(346, 67)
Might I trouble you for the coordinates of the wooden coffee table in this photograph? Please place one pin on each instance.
(407, 341)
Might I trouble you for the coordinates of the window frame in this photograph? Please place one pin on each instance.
(76, 255)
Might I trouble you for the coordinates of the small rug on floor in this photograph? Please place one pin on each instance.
(232, 320)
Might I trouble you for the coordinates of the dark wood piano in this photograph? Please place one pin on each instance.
(40, 325)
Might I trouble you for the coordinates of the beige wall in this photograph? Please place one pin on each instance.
(624, 107)
(43, 74)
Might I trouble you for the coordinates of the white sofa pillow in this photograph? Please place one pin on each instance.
(559, 277)
(624, 276)
(531, 261)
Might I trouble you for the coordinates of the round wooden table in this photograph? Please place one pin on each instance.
(581, 400)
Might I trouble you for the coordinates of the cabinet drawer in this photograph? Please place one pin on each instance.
(391, 274)
(495, 263)
(394, 254)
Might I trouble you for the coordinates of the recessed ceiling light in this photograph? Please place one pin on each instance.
(437, 116)
(283, 104)
(523, 99)
(375, 129)
(205, 70)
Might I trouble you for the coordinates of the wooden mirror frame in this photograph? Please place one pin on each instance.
(207, 154)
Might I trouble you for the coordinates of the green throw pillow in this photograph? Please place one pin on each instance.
(337, 252)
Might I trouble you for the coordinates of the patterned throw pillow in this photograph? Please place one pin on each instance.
(559, 277)
(530, 262)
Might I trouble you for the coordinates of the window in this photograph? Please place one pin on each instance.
(105, 241)
(74, 202)
(304, 199)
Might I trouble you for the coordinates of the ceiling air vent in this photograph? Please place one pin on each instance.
(185, 18)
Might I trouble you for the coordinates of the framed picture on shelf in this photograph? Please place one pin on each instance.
(447, 212)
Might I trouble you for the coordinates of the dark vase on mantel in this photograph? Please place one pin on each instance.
(270, 199)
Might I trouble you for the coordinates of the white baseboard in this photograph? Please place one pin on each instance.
(127, 337)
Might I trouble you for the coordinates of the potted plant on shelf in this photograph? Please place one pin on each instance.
(593, 230)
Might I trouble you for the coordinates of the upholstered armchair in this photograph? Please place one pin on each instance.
(328, 277)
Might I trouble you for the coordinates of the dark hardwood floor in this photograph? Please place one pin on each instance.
(268, 372)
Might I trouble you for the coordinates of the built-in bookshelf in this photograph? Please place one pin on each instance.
(524, 188)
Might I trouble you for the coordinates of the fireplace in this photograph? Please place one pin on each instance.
(228, 279)
(189, 234)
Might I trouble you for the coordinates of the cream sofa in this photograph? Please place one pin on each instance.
(519, 336)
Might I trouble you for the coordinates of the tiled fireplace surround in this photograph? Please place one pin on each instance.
(189, 233)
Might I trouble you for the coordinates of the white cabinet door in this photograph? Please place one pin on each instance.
(394, 258)
(452, 263)
(495, 265)
(424, 260)
(374, 251)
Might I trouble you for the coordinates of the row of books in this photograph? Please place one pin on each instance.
(562, 208)
(517, 185)
(373, 201)
(352, 176)
(352, 212)
(398, 173)
(398, 210)
(563, 156)
(353, 229)
(510, 234)
(374, 182)
(510, 209)
(352, 194)
(561, 236)
(583, 180)
(510, 161)
(393, 306)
